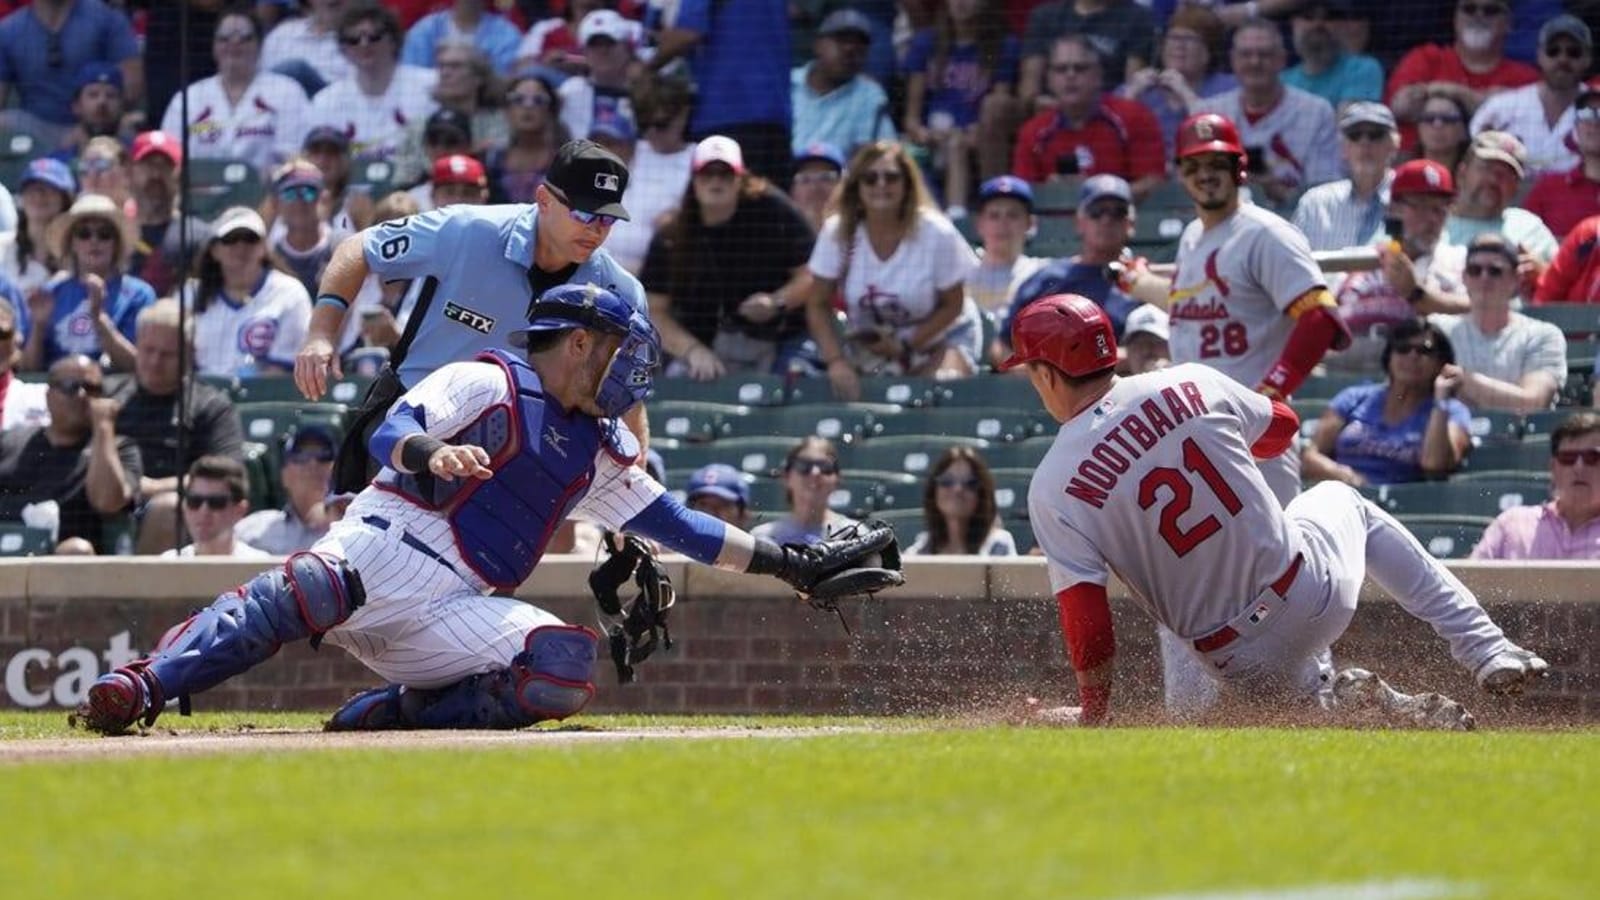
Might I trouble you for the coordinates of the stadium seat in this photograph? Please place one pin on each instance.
(1056, 237)
(1022, 533)
(1574, 319)
(757, 456)
(266, 423)
(1024, 455)
(1324, 387)
(264, 487)
(267, 389)
(693, 421)
(1463, 498)
(350, 390)
(1495, 427)
(1446, 537)
(998, 426)
(988, 392)
(743, 390)
(1011, 493)
(912, 454)
(1057, 198)
(375, 177)
(216, 184)
(907, 523)
(15, 152)
(906, 390)
(838, 422)
(17, 539)
(1526, 455)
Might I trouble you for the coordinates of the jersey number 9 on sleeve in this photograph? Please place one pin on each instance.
(1195, 461)
(394, 247)
(1224, 340)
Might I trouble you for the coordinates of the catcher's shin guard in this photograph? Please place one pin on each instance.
(550, 679)
(309, 594)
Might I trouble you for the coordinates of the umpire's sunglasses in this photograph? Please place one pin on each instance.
(578, 215)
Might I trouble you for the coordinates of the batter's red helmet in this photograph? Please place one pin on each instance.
(1067, 331)
(1211, 133)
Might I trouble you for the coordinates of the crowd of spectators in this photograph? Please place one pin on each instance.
(794, 166)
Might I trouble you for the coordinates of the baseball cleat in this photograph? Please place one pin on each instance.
(1358, 689)
(1508, 671)
(116, 700)
(375, 710)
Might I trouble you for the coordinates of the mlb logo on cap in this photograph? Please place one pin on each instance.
(605, 181)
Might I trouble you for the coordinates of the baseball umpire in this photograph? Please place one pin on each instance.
(480, 461)
(1154, 477)
(481, 268)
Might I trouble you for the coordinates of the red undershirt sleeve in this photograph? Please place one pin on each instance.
(1091, 644)
(1280, 432)
(1317, 329)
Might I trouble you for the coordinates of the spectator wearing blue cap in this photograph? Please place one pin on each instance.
(45, 189)
(817, 170)
(42, 48)
(1004, 221)
(1102, 268)
(98, 108)
(951, 69)
(306, 477)
(721, 491)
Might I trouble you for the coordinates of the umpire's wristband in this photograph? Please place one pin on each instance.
(417, 450)
(333, 300)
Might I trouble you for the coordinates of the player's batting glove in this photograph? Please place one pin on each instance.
(861, 559)
(635, 629)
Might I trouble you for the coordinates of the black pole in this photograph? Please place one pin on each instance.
(186, 376)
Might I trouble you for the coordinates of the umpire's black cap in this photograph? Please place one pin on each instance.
(589, 178)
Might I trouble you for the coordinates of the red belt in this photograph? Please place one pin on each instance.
(1226, 635)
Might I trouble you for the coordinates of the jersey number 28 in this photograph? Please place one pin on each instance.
(1195, 462)
(1224, 340)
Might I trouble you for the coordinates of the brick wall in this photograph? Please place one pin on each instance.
(956, 637)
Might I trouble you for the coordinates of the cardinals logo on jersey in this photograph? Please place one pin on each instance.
(1212, 277)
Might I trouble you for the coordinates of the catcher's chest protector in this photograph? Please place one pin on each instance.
(543, 461)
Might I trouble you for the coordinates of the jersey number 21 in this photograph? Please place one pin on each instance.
(1195, 462)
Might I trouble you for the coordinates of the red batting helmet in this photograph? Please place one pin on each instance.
(1210, 133)
(1067, 331)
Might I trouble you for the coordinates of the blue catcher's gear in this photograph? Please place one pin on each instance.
(550, 679)
(311, 593)
(632, 370)
(543, 461)
(576, 306)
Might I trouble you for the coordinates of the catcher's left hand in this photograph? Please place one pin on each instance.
(861, 559)
(636, 629)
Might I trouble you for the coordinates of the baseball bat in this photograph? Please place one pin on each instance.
(1350, 259)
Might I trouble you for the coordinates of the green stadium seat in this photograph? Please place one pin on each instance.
(910, 454)
(1574, 319)
(907, 391)
(1460, 498)
(1056, 237)
(17, 539)
(1011, 493)
(267, 389)
(1310, 412)
(1059, 197)
(1324, 387)
(1022, 533)
(838, 422)
(268, 422)
(907, 523)
(118, 535)
(15, 152)
(1446, 537)
(998, 426)
(375, 177)
(1534, 482)
(988, 392)
(1526, 455)
(693, 421)
(264, 487)
(216, 184)
(1541, 424)
(1495, 427)
(350, 390)
(742, 390)
(757, 456)
(1024, 455)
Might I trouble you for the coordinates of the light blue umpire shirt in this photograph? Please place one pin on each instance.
(474, 264)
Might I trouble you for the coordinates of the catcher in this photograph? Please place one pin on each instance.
(480, 462)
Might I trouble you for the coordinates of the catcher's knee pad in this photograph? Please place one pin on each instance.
(549, 679)
(309, 594)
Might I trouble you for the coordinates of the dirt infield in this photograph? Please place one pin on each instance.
(167, 743)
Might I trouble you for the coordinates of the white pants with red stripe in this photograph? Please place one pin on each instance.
(1344, 537)
(423, 625)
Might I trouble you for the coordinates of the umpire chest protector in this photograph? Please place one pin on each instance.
(543, 462)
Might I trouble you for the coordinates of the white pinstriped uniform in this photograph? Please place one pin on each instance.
(428, 621)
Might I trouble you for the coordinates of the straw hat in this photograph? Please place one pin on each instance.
(92, 206)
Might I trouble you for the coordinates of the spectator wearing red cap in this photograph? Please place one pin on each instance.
(1563, 199)
(456, 178)
(1419, 271)
(159, 256)
(726, 275)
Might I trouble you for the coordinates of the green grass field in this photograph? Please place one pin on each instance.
(933, 810)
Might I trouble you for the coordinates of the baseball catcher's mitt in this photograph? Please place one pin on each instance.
(634, 629)
(861, 559)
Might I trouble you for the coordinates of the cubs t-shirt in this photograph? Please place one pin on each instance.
(71, 328)
(1381, 452)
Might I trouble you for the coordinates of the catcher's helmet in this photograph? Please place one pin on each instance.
(1067, 331)
(1210, 133)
